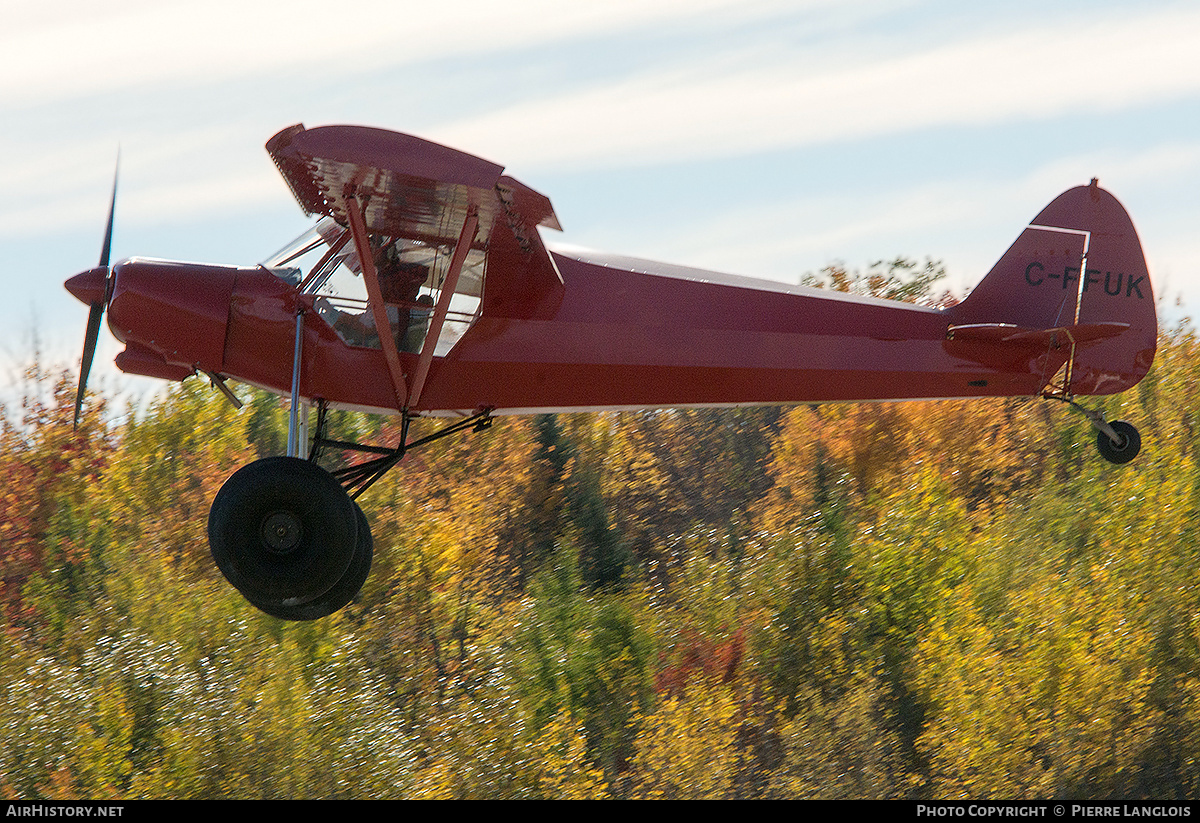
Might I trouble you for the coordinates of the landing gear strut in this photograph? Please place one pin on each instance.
(1118, 442)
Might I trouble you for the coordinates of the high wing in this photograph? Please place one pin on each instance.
(408, 187)
(383, 184)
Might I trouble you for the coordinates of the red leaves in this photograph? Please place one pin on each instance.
(695, 655)
(45, 464)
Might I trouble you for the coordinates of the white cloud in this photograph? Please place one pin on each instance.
(749, 102)
(73, 48)
(698, 104)
(966, 222)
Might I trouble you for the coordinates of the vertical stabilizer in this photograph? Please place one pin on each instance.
(1079, 263)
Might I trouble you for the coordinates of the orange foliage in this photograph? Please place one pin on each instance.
(44, 464)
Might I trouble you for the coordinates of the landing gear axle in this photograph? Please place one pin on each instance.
(342, 592)
(1124, 447)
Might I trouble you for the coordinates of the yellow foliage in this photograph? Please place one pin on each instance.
(564, 772)
(841, 747)
(686, 748)
(1055, 700)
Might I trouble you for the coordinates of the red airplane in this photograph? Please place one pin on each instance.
(441, 251)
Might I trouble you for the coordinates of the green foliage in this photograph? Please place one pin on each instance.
(584, 655)
(1052, 702)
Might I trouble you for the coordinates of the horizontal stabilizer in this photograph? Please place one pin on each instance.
(1010, 334)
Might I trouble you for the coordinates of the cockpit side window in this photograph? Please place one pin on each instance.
(412, 273)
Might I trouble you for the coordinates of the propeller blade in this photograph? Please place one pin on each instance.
(89, 351)
(96, 310)
(106, 249)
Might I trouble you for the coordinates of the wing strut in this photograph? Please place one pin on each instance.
(449, 284)
(387, 342)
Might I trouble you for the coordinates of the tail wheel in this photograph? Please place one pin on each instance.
(282, 530)
(343, 591)
(1123, 451)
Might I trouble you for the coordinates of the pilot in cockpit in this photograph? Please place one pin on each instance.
(400, 283)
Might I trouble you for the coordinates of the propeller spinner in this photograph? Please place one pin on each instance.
(94, 287)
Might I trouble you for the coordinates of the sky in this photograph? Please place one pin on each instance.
(768, 138)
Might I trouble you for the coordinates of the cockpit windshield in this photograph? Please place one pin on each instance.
(324, 262)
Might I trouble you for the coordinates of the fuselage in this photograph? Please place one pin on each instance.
(625, 334)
